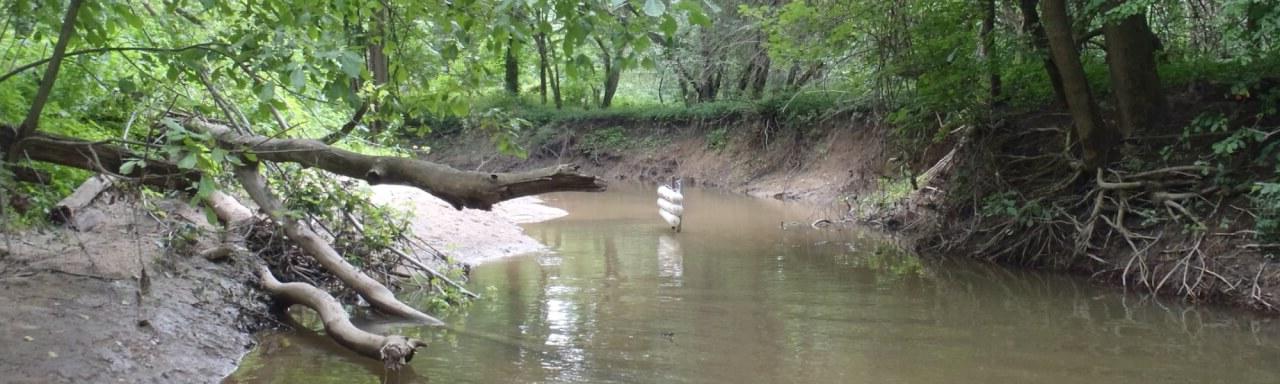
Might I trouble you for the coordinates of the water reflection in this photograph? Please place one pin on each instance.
(670, 261)
(736, 299)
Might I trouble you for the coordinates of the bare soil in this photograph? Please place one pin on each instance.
(468, 236)
(75, 310)
(820, 163)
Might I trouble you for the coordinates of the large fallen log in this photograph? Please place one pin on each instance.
(461, 189)
(98, 156)
(394, 350)
(374, 292)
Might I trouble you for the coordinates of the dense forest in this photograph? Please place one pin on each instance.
(1132, 139)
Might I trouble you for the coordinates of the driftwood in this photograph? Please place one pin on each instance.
(66, 209)
(375, 293)
(394, 351)
(480, 190)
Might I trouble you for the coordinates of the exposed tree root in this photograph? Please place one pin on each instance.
(1149, 229)
(394, 351)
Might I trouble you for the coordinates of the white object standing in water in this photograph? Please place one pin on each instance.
(671, 204)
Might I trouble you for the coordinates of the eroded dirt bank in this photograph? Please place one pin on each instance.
(823, 162)
(76, 311)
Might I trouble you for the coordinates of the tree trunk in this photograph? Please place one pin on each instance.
(986, 50)
(98, 157)
(1031, 24)
(555, 77)
(377, 61)
(32, 121)
(613, 73)
(540, 40)
(1095, 138)
(761, 76)
(512, 65)
(1134, 80)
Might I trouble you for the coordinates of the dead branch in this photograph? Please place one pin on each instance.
(414, 261)
(32, 122)
(375, 293)
(394, 351)
(461, 189)
(1182, 170)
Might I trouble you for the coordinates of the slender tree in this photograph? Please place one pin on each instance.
(1031, 25)
(1095, 138)
(511, 62)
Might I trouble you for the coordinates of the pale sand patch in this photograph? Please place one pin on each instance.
(470, 236)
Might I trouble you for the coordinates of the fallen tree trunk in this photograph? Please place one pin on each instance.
(461, 189)
(99, 156)
(394, 351)
(30, 175)
(374, 292)
(66, 209)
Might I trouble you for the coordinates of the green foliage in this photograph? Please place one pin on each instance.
(602, 141)
(717, 138)
(1007, 205)
(888, 193)
(339, 204)
(1266, 201)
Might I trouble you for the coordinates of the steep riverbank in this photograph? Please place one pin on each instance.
(822, 162)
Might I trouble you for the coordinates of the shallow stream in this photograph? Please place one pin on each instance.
(744, 295)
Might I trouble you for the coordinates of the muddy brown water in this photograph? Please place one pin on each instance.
(743, 296)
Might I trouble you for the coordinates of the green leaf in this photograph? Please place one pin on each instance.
(654, 8)
(351, 64)
(267, 93)
(188, 161)
(206, 187)
(698, 18)
(128, 166)
(668, 26)
(218, 154)
(298, 79)
(209, 214)
(459, 108)
(130, 17)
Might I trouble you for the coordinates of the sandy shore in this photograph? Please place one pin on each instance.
(469, 236)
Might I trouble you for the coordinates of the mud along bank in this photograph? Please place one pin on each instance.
(77, 308)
